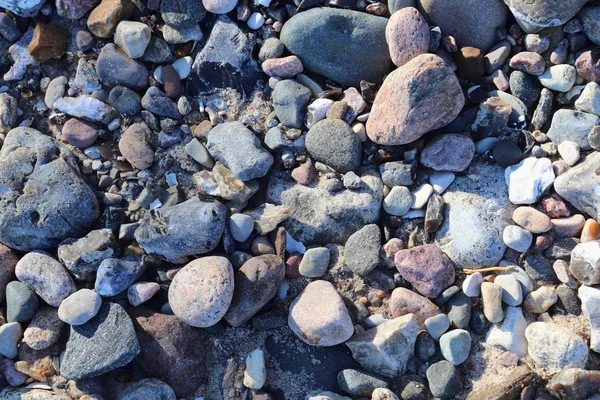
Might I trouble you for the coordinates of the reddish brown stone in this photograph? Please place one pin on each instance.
(171, 81)
(286, 67)
(79, 133)
(469, 62)
(103, 19)
(48, 42)
(554, 207)
(279, 240)
(8, 262)
(407, 35)
(292, 265)
(529, 62)
(588, 65)
(404, 301)
(135, 146)
(304, 174)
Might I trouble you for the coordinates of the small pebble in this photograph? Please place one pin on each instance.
(80, 307)
(472, 285)
(455, 346)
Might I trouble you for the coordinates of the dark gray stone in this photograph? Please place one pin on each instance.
(434, 214)
(317, 35)
(83, 256)
(116, 275)
(507, 153)
(568, 300)
(424, 346)
(358, 383)
(157, 51)
(526, 87)
(459, 310)
(125, 100)
(590, 18)
(361, 252)
(115, 68)
(158, 103)
(444, 380)
(21, 302)
(289, 101)
(181, 13)
(104, 343)
(147, 389)
(539, 269)
(578, 186)
(334, 143)
(271, 48)
(9, 29)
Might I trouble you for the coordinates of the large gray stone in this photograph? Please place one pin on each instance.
(147, 389)
(24, 8)
(361, 252)
(334, 143)
(590, 17)
(106, 342)
(43, 199)
(572, 125)
(342, 45)
(192, 227)
(533, 16)
(555, 347)
(318, 216)
(579, 186)
(476, 213)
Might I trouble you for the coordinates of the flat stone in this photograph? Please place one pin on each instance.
(532, 220)
(572, 125)
(555, 347)
(459, 310)
(290, 100)
(528, 180)
(358, 383)
(398, 173)
(404, 301)
(512, 293)
(437, 325)
(115, 275)
(497, 56)
(589, 99)
(444, 380)
(491, 296)
(131, 74)
(132, 37)
(427, 268)
(103, 19)
(83, 256)
(517, 238)
(455, 346)
(125, 100)
(141, 292)
(315, 262)
(585, 263)
(79, 133)
(21, 302)
(157, 102)
(10, 334)
(255, 373)
(511, 334)
(398, 201)
(361, 252)
(182, 12)
(80, 307)
(577, 186)
(448, 152)
(472, 285)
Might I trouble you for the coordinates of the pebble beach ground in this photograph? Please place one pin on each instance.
(299, 200)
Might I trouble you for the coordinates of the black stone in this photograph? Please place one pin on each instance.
(539, 269)
(444, 379)
(525, 87)
(424, 346)
(459, 310)
(507, 153)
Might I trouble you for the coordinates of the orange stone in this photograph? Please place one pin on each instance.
(49, 41)
(591, 231)
(103, 19)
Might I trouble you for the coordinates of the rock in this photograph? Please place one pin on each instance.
(574, 383)
(115, 275)
(44, 329)
(333, 142)
(555, 347)
(46, 276)
(359, 33)
(318, 216)
(315, 262)
(359, 383)
(171, 81)
(589, 99)
(525, 87)
(182, 12)
(136, 145)
(532, 220)
(568, 227)
(536, 43)
(497, 56)
(472, 285)
(572, 125)
(21, 302)
(241, 226)
(8, 112)
(361, 252)
(587, 64)
(85, 40)
(131, 74)
(255, 374)
(517, 238)
(437, 325)
(157, 102)
(455, 346)
(398, 201)
(80, 307)
(471, 23)
(529, 62)
(195, 226)
(585, 263)
(10, 334)
(407, 35)
(55, 91)
(23, 8)
(270, 49)
(427, 268)
(386, 348)
(290, 100)
(240, 150)
(459, 310)
(305, 173)
(421, 196)
(424, 83)
(404, 301)
(74, 9)
(539, 269)
(511, 334)
(448, 152)
(398, 173)
(219, 6)
(286, 67)
(440, 181)
(491, 296)
(103, 19)
(158, 51)
(125, 100)
(512, 294)
(434, 215)
(383, 394)
(534, 16)
(444, 379)
(330, 326)
(528, 180)
(83, 256)
(590, 299)
(140, 292)
(109, 334)
(151, 389)
(88, 108)
(577, 186)
(20, 55)
(560, 78)
(590, 231)
(540, 300)
(49, 41)
(132, 37)
(480, 198)
(79, 133)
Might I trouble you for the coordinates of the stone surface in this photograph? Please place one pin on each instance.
(572, 125)
(290, 100)
(79, 133)
(528, 180)
(83, 256)
(577, 186)
(361, 252)
(150, 389)
(21, 302)
(575, 383)
(74, 9)
(334, 143)
(437, 325)
(407, 35)
(560, 78)
(491, 296)
(590, 300)
(398, 114)
(540, 300)
(132, 37)
(532, 220)
(511, 334)
(404, 301)
(103, 19)
(589, 99)
(49, 41)
(80, 307)
(448, 152)
(23, 8)
(555, 347)
(44, 329)
(444, 379)
(455, 346)
(427, 268)
(10, 334)
(398, 201)
(358, 383)
(131, 74)
(534, 16)
(115, 275)
(517, 238)
(314, 262)
(202, 291)
(585, 263)
(157, 102)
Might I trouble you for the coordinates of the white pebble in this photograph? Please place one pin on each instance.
(316, 111)
(421, 195)
(183, 66)
(517, 238)
(472, 285)
(570, 152)
(292, 245)
(441, 180)
(255, 374)
(255, 21)
(528, 180)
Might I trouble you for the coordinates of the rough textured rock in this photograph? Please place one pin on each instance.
(416, 98)
(533, 16)
(105, 342)
(356, 32)
(448, 152)
(83, 256)
(407, 35)
(54, 202)
(361, 251)
(8, 263)
(192, 227)
(148, 389)
(334, 143)
(44, 329)
(23, 8)
(404, 301)
(74, 9)
(577, 186)
(116, 275)
(572, 125)
(574, 383)
(555, 347)
(427, 268)
(590, 302)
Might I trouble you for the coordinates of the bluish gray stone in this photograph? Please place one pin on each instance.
(21, 302)
(334, 143)
(572, 125)
(361, 252)
(115, 68)
(359, 383)
(290, 100)
(455, 346)
(116, 275)
(158, 103)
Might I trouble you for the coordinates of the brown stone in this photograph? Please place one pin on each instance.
(103, 20)
(135, 146)
(529, 62)
(279, 240)
(49, 41)
(292, 265)
(554, 206)
(469, 62)
(588, 65)
(171, 81)
(8, 262)
(422, 95)
(404, 301)
(532, 220)
(337, 110)
(79, 133)
(407, 35)
(591, 231)
(568, 227)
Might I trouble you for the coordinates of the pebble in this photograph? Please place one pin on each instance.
(255, 21)
(20, 55)
(427, 268)
(569, 151)
(572, 125)
(588, 65)
(181, 34)
(132, 37)
(507, 153)
(421, 196)
(555, 347)
(585, 263)
(491, 295)
(569, 226)
(512, 293)
(441, 180)
(305, 173)
(315, 262)
(589, 99)
(171, 81)
(589, 17)
(529, 62)
(48, 41)
(437, 325)
(255, 374)
(79, 133)
(182, 12)
(219, 6)
(517, 238)
(10, 334)
(407, 35)
(590, 299)
(540, 300)
(591, 231)
(448, 152)
(157, 102)
(472, 285)
(469, 63)
(103, 19)
(444, 380)
(397, 173)
(528, 180)
(525, 87)
(424, 346)
(55, 91)
(332, 325)
(404, 301)
(135, 146)
(536, 43)
(532, 220)
(497, 56)
(361, 251)
(459, 310)
(290, 100)
(358, 383)
(44, 329)
(455, 346)
(241, 226)
(141, 292)
(125, 100)
(271, 48)
(334, 143)
(146, 389)
(21, 302)
(9, 29)
(202, 290)
(383, 394)
(560, 78)
(261, 245)
(511, 334)
(131, 74)
(398, 202)
(198, 152)
(286, 67)
(80, 307)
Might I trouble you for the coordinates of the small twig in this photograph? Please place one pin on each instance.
(489, 269)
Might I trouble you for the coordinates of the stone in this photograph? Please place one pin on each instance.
(171, 81)
(434, 214)
(525, 87)
(85, 40)
(495, 114)
(560, 78)
(591, 231)
(83, 256)
(131, 74)
(537, 43)
(577, 186)
(539, 269)
(540, 300)
(424, 83)
(590, 298)
(543, 109)
(361, 252)
(20, 55)
(136, 145)
(398, 202)
(427, 268)
(55, 90)
(491, 296)
(455, 346)
(141, 292)
(534, 16)
(383, 394)
(255, 373)
(158, 51)
(157, 102)
(459, 310)
(589, 99)
(359, 33)
(472, 285)
(132, 37)
(8, 112)
(79, 133)
(202, 291)
(21, 302)
(529, 62)
(80, 307)
(588, 65)
(437, 325)
(195, 226)
(421, 196)
(330, 326)
(585, 263)
(23, 8)
(471, 23)
(440, 181)
(151, 389)
(290, 100)
(115, 275)
(358, 383)
(444, 380)
(574, 383)
(10, 334)
(475, 215)
(333, 142)
(448, 152)
(511, 334)
(532, 220)
(573, 126)
(404, 301)
(219, 6)
(271, 48)
(305, 173)
(182, 12)
(570, 152)
(517, 238)
(103, 19)
(497, 56)
(44, 329)
(407, 35)
(182, 34)
(125, 100)
(49, 41)
(46, 276)
(528, 180)
(75, 9)
(241, 226)
(286, 67)
(555, 347)
(512, 294)
(104, 343)
(398, 173)
(386, 348)
(240, 150)
(589, 17)
(88, 108)
(315, 262)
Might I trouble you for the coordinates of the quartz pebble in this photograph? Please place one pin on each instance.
(569, 151)
(540, 300)
(472, 285)
(528, 180)
(517, 238)
(511, 334)
(441, 180)
(590, 302)
(512, 293)
(560, 78)
(398, 202)
(421, 196)
(555, 347)
(255, 373)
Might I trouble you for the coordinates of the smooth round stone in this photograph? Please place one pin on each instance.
(532, 220)
(271, 48)
(21, 302)
(526, 87)
(472, 285)
(10, 334)
(80, 307)
(424, 346)
(560, 78)
(125, 100)
(330, 326)
(437, 325)
(398, 201)
(131, 74)
(141, 292)
(444, 380)
(517, 238)
(459, 310)
(286, 67)
(455, 346)
(79, 133)
(358, 383)
(529, 62)
(491, 295)
(383, 394)
(201, 292)
(448, 152)
(219, 6)
(315, 262)
(241, 226)
(255, 21)
(506, 153)
(183, 66)
(486, 144)
(407, 35)
(85, 40)
(591, 231)
(334, 143)
(570, 152)
(44, 329)
(135, 146)
(181, 12)
(512, 294)
(440, 180)
(540, 300)
(421, 196)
